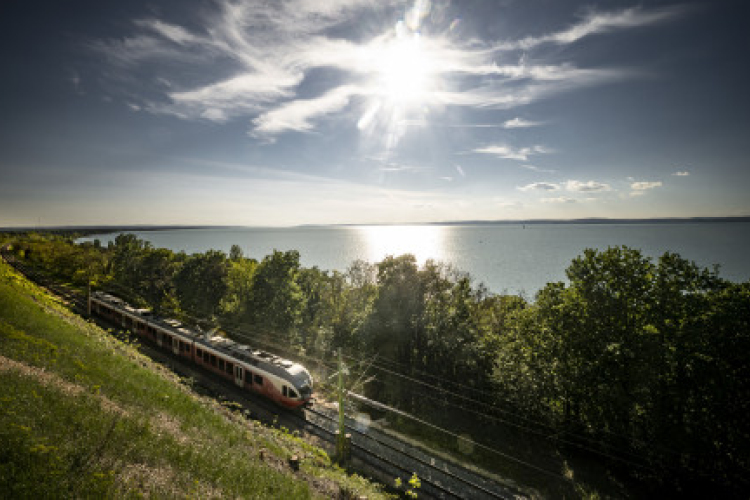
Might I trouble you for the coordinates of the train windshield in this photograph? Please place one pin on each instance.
(305, 391)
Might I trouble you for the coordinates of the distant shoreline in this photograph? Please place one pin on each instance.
(592, 221)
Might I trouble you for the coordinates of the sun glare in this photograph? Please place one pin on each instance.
(424, 242)
(404, 70)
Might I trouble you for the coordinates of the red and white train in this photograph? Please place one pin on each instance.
(285, 382)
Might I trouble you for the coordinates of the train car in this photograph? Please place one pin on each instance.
(285, 382)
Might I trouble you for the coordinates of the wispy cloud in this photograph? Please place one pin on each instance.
(400, 167)
(520, 123)
(509, 153)
(298, 115)
(171, 32)
(540, 186)
(571, 186)
(644, 185)
(559, 199)
(682, 173)
(256, 60)
(537, 169)
(587, 187)
(595, 23)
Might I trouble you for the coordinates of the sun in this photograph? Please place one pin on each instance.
(404, 71)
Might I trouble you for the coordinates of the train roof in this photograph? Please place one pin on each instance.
(264, 360)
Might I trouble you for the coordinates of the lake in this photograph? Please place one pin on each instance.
(507, 258)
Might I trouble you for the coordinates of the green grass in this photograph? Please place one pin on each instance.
(83, 414)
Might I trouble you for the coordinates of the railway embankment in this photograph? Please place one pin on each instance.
(84, 414)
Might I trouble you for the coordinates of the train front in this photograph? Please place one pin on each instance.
(302, 381)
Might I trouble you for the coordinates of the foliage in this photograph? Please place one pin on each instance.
(201, 282)
(641, 356)
(84, 415)
(645, 357)
(276, 301)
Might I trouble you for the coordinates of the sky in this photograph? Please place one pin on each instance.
(279, 113)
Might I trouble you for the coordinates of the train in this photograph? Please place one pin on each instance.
(285, 382)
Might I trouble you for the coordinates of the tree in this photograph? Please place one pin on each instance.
(643, 357)
(236, 254)
(397, 309)
(276, 300)
(127, 252)
(352, 298)
(157, 269)
(201, 283)
(239, 288)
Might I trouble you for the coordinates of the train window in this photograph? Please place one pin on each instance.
(198, 352)
(283, 391)
(258, 379)
(229, 367)
(221, 364)
(292, 394)
(205, 356)
(213, 360)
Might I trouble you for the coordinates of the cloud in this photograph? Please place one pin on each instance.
(507, 152)
(520, 123)
(595, 23)
(571, 186)
(643, 186)
(261, 60)
(298, 115)
(521, 71)
(399, 167)
(587, 187)
(682, 173)
(537, 169)
(539, 186)
(174, 33)
(560, 199)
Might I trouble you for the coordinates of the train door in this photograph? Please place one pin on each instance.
(239, 377)
(159, 337)
(176, 345)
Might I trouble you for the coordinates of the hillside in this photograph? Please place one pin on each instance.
(86, 415)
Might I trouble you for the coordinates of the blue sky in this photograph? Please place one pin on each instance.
(361, 111)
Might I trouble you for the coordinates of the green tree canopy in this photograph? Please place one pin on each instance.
(276, 300)
(201, 283)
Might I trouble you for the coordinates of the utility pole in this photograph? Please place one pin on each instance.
(343, 440)
(88, 296)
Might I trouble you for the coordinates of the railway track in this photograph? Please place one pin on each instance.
(375, 453)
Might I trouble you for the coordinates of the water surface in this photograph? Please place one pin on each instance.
(507, 258)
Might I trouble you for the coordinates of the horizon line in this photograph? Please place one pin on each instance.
(585, 220)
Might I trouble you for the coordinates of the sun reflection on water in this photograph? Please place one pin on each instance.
(424, 242)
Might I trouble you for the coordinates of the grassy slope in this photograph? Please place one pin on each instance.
(85, 415)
